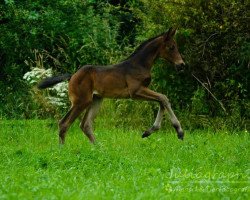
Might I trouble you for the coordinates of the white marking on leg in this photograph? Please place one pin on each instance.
(175, 121)
(95, 92)
(158, 119)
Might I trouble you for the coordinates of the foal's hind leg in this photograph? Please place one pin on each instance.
(68, 119)
(87, 122)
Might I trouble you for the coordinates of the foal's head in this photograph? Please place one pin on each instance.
(169, 49)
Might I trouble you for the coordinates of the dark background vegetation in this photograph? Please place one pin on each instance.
(213, 38)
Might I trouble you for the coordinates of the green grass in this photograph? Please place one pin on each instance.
(121, 165)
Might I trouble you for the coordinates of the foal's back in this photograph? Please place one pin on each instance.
(104, 81)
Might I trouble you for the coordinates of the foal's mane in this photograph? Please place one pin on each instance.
(143, 45)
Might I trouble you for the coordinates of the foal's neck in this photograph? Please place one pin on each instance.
(146, 56)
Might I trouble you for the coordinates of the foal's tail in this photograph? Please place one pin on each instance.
(51, 81)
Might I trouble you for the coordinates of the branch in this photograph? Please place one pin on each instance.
(205, 43)
(203, 85)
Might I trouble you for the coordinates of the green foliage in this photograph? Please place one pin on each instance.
(121, 165)
(70, 33)
(198, 102)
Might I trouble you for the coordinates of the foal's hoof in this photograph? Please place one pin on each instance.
(180, 135)
(145, 134)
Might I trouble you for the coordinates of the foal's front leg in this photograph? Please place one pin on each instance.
(147, 94)
(157, 124)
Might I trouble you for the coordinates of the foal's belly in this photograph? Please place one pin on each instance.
(113, 93)
(111, 85)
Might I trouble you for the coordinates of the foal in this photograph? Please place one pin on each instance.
(127, 79)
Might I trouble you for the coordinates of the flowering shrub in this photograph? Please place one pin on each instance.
(60, 91)
(56, 95)
(37, 74)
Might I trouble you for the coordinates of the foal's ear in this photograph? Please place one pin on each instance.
(170, 33)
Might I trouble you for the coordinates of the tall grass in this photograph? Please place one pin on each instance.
(122, 165)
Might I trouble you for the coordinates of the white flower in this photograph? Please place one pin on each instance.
(58, 92)
(37, 73)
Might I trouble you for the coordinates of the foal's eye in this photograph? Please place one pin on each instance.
(172, 48)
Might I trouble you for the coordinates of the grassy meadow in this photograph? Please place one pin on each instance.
(122, 165)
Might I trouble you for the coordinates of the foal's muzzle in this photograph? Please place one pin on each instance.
(180, 67)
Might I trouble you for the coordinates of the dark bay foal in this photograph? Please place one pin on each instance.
(128, 79)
